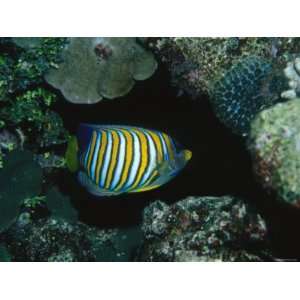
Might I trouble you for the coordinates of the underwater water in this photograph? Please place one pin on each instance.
(225, 204)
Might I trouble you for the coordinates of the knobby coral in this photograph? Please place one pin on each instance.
(274, 143)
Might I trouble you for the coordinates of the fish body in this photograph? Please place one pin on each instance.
(119, 159)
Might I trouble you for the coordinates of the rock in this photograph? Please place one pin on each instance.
(100, 67)
(57, 239)
(203, 229)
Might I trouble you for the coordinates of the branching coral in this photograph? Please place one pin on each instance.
(94, 68)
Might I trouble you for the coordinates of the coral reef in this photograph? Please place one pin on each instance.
(243, 79)
(242, 76)
(204, 229)
(195, 63)
(100, 67)
(20, 178)
(248, 87)
(274, 143)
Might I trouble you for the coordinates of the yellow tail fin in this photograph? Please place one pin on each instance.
(71, 154)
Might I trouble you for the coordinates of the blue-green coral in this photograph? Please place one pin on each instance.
(249, 86)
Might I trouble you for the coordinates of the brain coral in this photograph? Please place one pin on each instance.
(94, 68)
(275, 146)
(248, 87)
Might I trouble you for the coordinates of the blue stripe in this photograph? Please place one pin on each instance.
(134, 163)
(106, 160)
(95, 156)
(151, 159)
(165, 150)
(120, 160)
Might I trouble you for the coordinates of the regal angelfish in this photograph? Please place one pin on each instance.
(118, 159)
